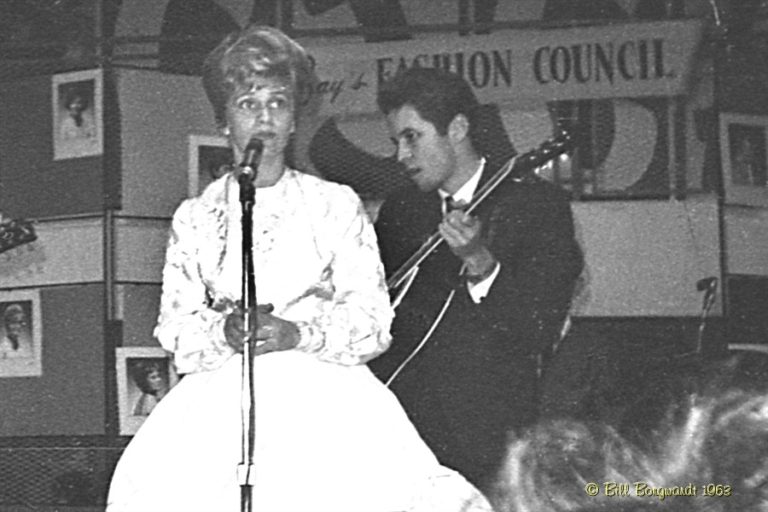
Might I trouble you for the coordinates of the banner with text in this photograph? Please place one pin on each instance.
(613, 61)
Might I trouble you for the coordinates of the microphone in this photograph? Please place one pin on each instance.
(251, 157)
(708, 284)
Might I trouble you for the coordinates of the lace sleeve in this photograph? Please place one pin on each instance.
(188, 326)
(353, 326)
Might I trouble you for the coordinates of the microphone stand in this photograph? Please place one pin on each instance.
(245, 470)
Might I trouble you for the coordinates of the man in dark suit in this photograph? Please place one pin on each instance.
(504, 278)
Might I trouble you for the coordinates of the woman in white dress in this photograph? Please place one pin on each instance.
(328, 435)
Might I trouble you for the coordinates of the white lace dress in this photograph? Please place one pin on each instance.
(329, 436)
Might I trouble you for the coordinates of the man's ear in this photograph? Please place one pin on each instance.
(458, 128)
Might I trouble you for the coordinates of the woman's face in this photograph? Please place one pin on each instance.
(264, 111)
(155, 381)
(76, 106)
(14, 326)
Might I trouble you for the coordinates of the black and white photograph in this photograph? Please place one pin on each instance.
(210, 158)
(744, 146)
(384, 255)
(144, 376)
(20, 334)
(77, 114)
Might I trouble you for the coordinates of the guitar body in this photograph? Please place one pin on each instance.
(519, 168)
(399, 223)
(414, 255)
(406, 221)
(475, 378)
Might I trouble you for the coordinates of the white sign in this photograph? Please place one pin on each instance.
(613, 61)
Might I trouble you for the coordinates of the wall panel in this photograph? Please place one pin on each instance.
(68, 399)
(746, 234)
(140, 249)
(33, 185)
(643, 258)
(66, 251)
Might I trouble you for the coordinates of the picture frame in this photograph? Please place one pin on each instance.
(20, 334)
(144, 377)
(744, 159)
(77, 114)
(210, 157)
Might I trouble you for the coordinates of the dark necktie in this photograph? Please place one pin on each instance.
(449, 204)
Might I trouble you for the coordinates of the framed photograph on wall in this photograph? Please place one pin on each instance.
(144, 377)
(744, 154)
(77, 114)
(210, 157)
(20, 334)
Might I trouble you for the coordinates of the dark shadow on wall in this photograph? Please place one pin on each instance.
(383, 20)
(190, 30)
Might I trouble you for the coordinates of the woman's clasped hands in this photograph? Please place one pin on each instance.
(271, 333)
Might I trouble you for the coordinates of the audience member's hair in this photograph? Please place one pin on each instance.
(718, 439)
(255, 51)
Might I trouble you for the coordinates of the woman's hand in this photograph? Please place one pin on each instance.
(272, 333)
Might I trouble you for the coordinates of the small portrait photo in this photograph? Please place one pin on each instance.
(210, 158)
(20, 334)
(144, 376)
(77, 118)
(748, 158)
(744, 151)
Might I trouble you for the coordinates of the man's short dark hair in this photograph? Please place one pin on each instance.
(436, 94)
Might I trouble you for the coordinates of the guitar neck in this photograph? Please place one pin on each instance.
(516, 166)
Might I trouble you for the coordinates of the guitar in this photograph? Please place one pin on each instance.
(15, 232)
(517, 168)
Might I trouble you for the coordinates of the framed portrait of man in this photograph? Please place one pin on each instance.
(77, 114)
(210, 157)
(144, 377)
(744, 153)
(20, 334)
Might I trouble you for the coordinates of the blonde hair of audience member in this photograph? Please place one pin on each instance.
(711, 441)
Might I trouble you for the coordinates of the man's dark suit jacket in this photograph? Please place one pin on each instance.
(475, 380)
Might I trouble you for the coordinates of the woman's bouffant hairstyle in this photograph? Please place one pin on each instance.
(76, 92)
(13, 312)
(255, 51)
(141, 370)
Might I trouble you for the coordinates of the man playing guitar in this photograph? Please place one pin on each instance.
(490, 300)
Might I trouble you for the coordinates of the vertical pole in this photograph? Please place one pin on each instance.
(110, 168)
(719, 56)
